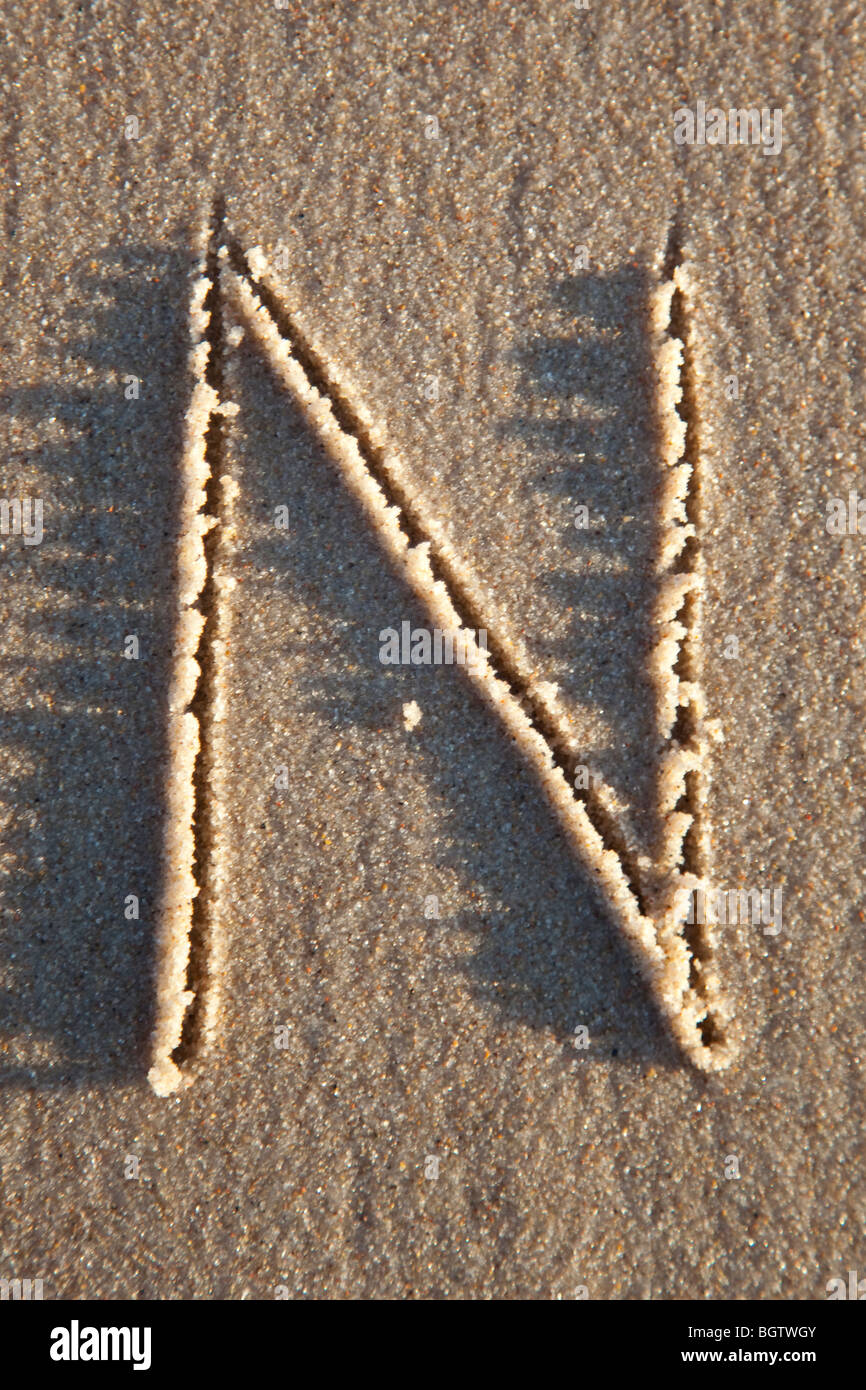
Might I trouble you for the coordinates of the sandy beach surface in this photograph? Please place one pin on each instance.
(435, 1069)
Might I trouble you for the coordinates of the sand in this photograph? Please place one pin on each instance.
(432, 1062)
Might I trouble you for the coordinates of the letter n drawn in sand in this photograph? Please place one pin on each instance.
(649, 898)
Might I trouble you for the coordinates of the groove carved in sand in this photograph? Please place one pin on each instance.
(683, 857)
(189, 944)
